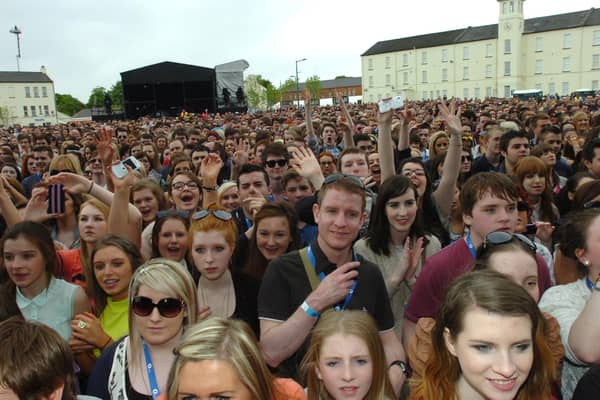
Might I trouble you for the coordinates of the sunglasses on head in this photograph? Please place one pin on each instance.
(172, 213)
(272, 163)
(501, 237)
(168, 308)
(58, 171)
(220, 214)
(350, 178)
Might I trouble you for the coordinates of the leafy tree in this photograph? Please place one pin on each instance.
(67, 104)
(341, 77)
(6, 116)
(253, 98)
(116, 95)
(313, 84)
(96, 97)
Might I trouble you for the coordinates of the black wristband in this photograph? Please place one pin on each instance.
(404, 367)
(210, 189)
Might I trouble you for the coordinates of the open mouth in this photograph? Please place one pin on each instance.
(187, 197)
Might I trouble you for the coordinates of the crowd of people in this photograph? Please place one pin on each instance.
(447, 250)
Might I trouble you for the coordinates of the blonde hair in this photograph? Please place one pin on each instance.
(168, 277)
(227, 340)
(350, 322)
(66, 161)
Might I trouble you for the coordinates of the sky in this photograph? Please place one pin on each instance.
(85, 44)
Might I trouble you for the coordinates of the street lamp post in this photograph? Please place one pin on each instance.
(16, 31)
(298, 84)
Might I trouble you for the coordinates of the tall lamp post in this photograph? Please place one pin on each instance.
(16, 31)
(298, 84)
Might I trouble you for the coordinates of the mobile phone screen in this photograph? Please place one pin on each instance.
(56, 199)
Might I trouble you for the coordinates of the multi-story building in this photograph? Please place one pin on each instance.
(557, 54)
(27, 98)
(349, 87)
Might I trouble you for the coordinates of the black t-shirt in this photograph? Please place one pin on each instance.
(285, 286)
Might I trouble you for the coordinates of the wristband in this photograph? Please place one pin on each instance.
(404, 367)
(91, 187)
(210, 189)
(309, 311)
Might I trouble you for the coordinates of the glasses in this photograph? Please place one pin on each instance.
(168, 308)
(502, 237)
(417, 172)
(172, 213)
(220, 214)
(180, 185)
(350, 178)
(271, 163)
(465, 158)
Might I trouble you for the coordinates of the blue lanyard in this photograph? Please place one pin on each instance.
(313, 261)
(248, 222)
(589, 283)
(151, 375)
(470, 245)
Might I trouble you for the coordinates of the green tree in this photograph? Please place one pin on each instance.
(96, 97)
(116, 95)
(6, 116)
(341, 77)
(253, 98)
(67, 104)
(313, 84)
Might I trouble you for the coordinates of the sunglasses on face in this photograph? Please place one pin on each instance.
(172, 213)
(180, 185)
(272, 163)
(168, 308)
(417, 172)
(220, 214)
(502, 237)
(465, 158)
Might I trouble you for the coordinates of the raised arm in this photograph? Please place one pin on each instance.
(124, 219)
(306, 164)
(7, 207)
(106, 152)
(406, 115)
(386, 145)
(445, 192)
(348, 123)
(209, 171)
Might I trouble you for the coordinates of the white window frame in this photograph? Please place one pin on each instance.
(404, 59)
(567, 40)
(596, 38)
(507, 47)
(424, 76)
(488, 50)
(444, 55)
(507, 68)
(488, 71)
(596, 61)
(566, 64)
(466, 73)
(444, 74)
(466, 53)
(539, 66)
(565, 88)
(539, 44)
(424, 58)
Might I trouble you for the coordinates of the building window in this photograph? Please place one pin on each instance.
(444, 93)
(370, 61)
(40, 110)
(477, 93)
(387, 62)
(424, 76)
(388, 80)
(565, 88)
(371, 98)
(465, 73)
(539, 44)
(36, 91)
(552, 88)
(566, 64)
(466, 93)
(595, 61)
(595, 84)
(27, 91)
(465, 53)
(504, 8)
(488, 50)
(405, 78)
(488, 70)
(44, 91)
(506, 90)
(444, 55)
(444, 74)
(33, 111)
(596, 39)
(507, 46)
(370, 81)
(538, 86)
(424, 57)
(567, 41)
(512, 7)
(506, 68)
(25, 111)
(424, 95)
(405, 59)
(539, 66)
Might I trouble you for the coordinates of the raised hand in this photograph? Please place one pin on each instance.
(241, 155)
(210, 167)
(104, 145)
(121, 183)
(306, 164)
(451, 117)
(37, 208)
(73, 183)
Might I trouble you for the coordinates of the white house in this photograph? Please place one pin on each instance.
(557, 54)
(28, 97)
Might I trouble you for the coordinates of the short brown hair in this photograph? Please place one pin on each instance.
(35, 360)
(478, 185)
(344, 184)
